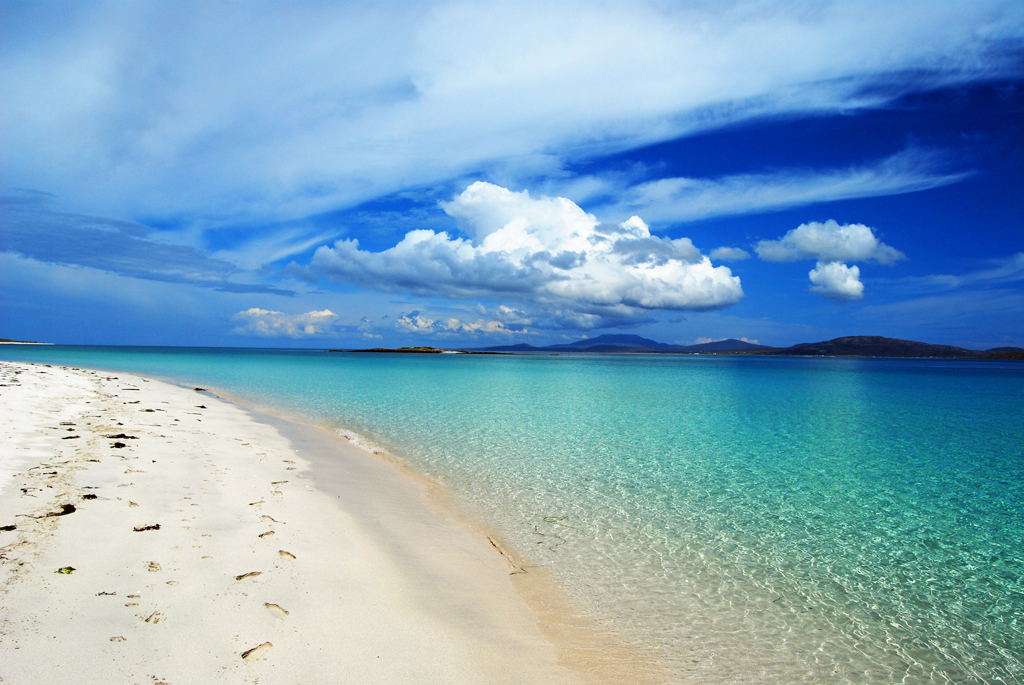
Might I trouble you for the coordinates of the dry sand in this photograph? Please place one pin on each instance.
(257, 572)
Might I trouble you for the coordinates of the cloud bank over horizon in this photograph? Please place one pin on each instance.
(272, 324)
(546, 252)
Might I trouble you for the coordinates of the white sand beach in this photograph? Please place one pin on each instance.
(164, 535)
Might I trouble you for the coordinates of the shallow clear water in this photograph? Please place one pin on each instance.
(753, 519)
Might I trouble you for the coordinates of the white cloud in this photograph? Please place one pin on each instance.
(689, 199)
(417, 322)
(830, 242)
(837, 281)
(271, 324)
(1006, 270)
(729, 254)
(546, 252)
(1002, 270)
(213, 110)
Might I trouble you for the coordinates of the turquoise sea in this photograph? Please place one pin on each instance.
(751, 519)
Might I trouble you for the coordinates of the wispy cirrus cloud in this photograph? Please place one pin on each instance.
(674, 200)
(122, 117)
(29, 226)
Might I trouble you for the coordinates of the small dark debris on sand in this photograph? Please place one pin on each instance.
(200, 406)
(118, 445)
(66, 570)
(200, 389)
(8, 528)
(122, 436)
(139, 529)
(250, 574)
(89, 496)
(64, 511)
(71, 437)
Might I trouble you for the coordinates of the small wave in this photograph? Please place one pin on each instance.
(362, 442)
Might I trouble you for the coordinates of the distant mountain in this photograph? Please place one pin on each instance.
(877, 346)
(628, 343)
(612, 343)
(730, 345)
(850, 346)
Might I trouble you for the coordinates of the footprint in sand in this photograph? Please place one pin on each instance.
(286, 555)
(155, 617)
(152, 566)
(256, 652)
(276, 610)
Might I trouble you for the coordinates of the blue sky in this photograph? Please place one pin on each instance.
(475, 173)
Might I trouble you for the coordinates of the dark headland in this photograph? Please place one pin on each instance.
(850, 346)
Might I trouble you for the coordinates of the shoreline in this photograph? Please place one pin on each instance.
(357, 517)
(581, 644)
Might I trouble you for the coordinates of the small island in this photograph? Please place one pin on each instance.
(421, 350)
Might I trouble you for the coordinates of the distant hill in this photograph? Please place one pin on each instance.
(730, 345)
(850, 346)
(612, 343)
(877, 346)
(628, 343)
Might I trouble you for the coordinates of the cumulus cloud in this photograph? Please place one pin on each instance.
(271, 324)
(418, 322)
(830, 242)
(729, 254)
(544, 251)
(837, 281)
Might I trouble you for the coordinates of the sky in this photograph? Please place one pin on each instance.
(466, 174)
